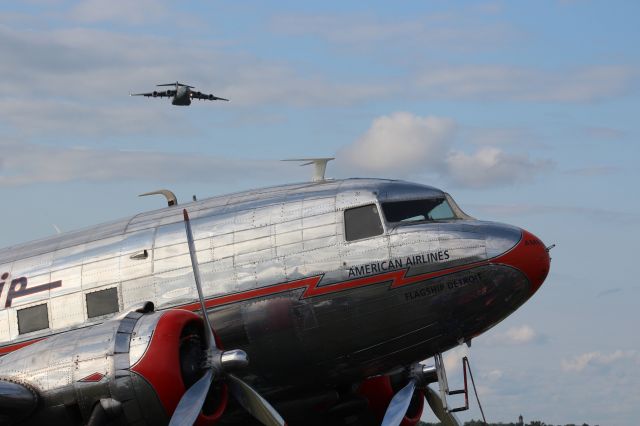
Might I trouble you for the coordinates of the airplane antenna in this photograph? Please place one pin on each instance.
(170, 196)
(319, 166)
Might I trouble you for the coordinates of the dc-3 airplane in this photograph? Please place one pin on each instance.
(182, 94)
(321, 298)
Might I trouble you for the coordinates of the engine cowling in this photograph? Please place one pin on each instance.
(379, 391)
(154, 94)
(211, 97)
(177, 341)
(132, 369)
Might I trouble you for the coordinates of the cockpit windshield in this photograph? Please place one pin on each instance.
(424, 210)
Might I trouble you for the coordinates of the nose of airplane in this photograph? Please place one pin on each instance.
(529, 256)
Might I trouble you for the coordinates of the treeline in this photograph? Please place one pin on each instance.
(481, 423)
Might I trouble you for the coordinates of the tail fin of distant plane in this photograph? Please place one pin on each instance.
(175, 84)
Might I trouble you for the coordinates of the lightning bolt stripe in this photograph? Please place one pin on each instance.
(311, 286)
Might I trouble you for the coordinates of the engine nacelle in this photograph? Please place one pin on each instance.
(211, 97)
(379, 391)
(133, 369)
(154, 94)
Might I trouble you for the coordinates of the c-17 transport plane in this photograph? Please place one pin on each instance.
(323, 298)
(181, 94)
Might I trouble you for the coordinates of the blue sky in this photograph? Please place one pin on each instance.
(526, 112)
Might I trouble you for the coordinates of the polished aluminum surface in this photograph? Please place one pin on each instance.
(234, 359)
(82, 367)
(216, 366)
(245, 241)
(276, 273)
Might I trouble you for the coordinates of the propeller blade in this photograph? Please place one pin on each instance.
(399, 405)
(251, 400)
(445, 417)
(192, 401)
(209, 338)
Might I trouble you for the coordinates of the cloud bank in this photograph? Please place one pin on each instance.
(25, 163)
(519, 335)
(403, 144)
(599, 360)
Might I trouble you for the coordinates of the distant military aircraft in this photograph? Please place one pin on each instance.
(334, 289)
(182, 94)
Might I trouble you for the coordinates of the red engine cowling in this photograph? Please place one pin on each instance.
(171, 363)
(379, 391)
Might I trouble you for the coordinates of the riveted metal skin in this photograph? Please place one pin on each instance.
(72, 372)
(280, 282)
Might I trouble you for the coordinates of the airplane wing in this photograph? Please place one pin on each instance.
(156, 94)
(204, 96)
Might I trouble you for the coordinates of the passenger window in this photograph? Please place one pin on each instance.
(102, 302)
(33, 319)
(362, 222)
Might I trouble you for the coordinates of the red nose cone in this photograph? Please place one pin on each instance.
(531, 257)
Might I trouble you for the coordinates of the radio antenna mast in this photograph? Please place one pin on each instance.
(319, 166)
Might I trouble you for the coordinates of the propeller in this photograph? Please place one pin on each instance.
(435, 402)
(217, 364)
(420, 376)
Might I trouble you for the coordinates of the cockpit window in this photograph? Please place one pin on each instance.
(362, 222)
(418, 210)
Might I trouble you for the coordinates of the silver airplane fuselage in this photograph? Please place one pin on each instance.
(314, 300)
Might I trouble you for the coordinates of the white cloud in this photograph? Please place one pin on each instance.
(260, 83)
(453, 358)
(35, 117)
(403, 144)
(499, 136)
(61, 78)
(520, 335)
(494, 375)
(455, 31)
(24, 164)
(598, 359)
(118, 11)
(519, 210)
(499, 82)
(591, 171)
(490, 165)
(604, 133)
